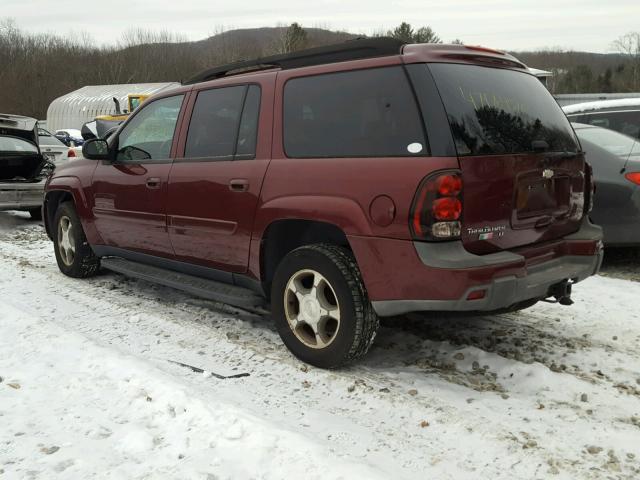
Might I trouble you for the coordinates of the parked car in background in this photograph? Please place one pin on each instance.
(22, 173)
(312, 188)
(53, 149)
(615, 159)
(70, 137)
(622, 115)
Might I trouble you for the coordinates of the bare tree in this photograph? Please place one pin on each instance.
(629, 46)
(291, 39)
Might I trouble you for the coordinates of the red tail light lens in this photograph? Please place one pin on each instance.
(447, 208)
(437, 207)
(633, 177)
(71, 153)
(449, 185)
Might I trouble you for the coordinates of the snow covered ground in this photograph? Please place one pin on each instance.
(88, 389)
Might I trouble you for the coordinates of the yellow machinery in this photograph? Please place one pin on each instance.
(133, 100)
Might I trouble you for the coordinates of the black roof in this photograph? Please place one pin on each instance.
(350, 50)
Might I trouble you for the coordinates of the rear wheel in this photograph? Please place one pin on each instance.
(320, 306)
(73, 253)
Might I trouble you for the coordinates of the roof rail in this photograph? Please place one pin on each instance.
(350, 50)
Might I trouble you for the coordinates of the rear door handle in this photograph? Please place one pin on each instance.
(153, 182)
(239, 185)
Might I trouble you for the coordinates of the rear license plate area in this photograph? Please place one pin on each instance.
(537, 196)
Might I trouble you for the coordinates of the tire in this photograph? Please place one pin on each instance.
(73, 253)
(332, 325)
(36, 213)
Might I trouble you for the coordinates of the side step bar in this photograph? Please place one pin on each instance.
(197, 286)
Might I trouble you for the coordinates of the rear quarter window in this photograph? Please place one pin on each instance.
(496, 111)
(363, 113)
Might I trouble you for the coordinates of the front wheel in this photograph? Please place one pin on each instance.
(320, 306)
(73, 253)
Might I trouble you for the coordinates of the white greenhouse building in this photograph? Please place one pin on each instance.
(80, 106)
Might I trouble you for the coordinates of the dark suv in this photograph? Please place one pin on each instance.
(338, 185)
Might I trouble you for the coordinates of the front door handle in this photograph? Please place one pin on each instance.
(153, 182)
(239, 185)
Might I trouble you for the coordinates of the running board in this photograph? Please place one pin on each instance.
(201, 287)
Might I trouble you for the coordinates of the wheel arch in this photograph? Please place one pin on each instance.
(59, 190)
(52, 201)
(285, 235)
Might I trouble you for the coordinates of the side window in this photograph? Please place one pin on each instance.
(150, 133)
(224, 123)
(248, 133)
(364, 113)
(599, 120)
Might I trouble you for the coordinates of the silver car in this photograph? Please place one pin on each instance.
(22, 165)
(615, 159)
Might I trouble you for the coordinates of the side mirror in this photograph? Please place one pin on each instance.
(95, 149)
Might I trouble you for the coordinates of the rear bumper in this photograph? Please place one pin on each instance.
(421, 276)
(21, 196)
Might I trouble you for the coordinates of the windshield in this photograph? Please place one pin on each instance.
(496, 111)
(16, 145)
(49, 140)
(614, 142)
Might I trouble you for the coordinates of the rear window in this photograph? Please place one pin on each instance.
(363, 113)
(16, 145)
(626, 122)
(495, 111)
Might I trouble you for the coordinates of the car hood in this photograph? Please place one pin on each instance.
(20, 167)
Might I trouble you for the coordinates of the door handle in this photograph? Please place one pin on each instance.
(239, 185)
(153, 182)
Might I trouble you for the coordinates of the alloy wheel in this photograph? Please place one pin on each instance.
(66, 241)
(312, 309)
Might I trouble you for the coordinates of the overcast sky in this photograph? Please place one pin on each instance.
(589, 25)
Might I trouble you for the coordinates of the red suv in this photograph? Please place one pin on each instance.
(338, 185)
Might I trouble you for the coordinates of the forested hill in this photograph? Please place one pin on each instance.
(42, 67)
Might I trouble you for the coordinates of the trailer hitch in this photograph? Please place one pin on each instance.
(561, 292)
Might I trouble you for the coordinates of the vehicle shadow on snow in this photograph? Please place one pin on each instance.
(431, 343)
(621, 263)
(12, 220)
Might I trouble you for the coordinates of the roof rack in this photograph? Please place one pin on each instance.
(350, 50)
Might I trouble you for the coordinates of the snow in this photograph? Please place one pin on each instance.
(525, 395)
(600, 104)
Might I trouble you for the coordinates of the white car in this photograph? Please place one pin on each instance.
(53, 149)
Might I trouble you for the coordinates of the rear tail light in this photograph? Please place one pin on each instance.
(71, 153)
(633, 177)
(436, 212)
